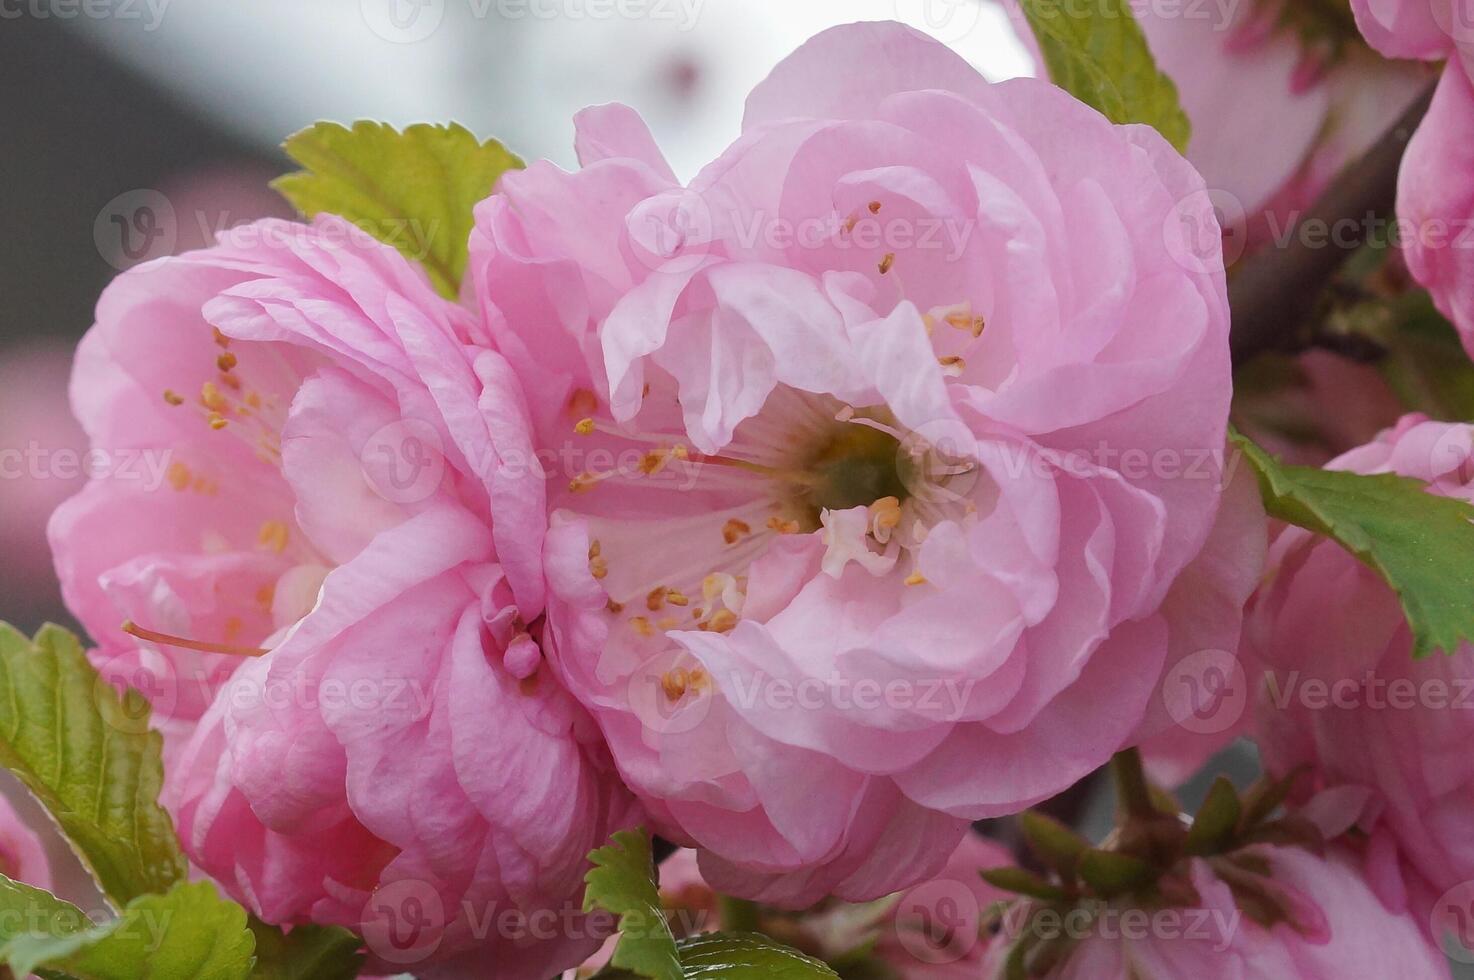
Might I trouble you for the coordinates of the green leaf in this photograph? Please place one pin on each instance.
(305, 953)
(1097, 52)
(1421, 543)
(88, 756)
(1021, 882)
(1056, 845)
(745, 956)
(413, 189)
(1215, 822)
(622, 881)
(1111, 872)
(190, 933)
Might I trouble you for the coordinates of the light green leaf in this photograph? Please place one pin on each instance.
(190, 933)
(89, 757)
(1421, 543)
(413, 189)
(1097, 52)
(745, 956)
(622, 881)
(305, 953)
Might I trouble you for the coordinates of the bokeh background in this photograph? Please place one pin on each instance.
(135, 128)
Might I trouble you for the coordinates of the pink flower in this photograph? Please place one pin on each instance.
(1429, 30)
(336, 438)
(882, 445)
(1327, 924)
(1341, 694)
(1435, 200)
(22, 855)
(1331, 98)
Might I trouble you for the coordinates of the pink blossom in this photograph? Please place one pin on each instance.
(1328, 924)
(1430, 30)
(22, 855)
(336, 438)
(1341, 695)
(1435, 201)
(843, 552)
(1332, 99)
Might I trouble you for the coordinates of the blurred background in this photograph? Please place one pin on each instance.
(137, 128)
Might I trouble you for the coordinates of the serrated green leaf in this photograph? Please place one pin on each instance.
(190, 933)
(1215, 822)
(1111, 872)
(88, 756)
(622, 881)
(1098, 53)
(1021, 882)
(1421, 543)
(413, 189)
(746, 956)
(305, 953)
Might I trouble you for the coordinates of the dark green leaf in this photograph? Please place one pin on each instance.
(1097, 52)
(413, 189)
(1421, 543)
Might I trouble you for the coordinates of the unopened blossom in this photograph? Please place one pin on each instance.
(1435, 205)
(1435, 199)
(1262, 913)
(337, 635)
(1341, 697)
(845, 547)
(1332, 98)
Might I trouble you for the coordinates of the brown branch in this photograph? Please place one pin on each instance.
(1273, 292)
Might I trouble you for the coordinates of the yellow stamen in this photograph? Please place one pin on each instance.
(172, 398)
(179, 476)
(886, 262)
(273, 536)
(735, 530)
(642, 626)
(916, 578)
(226, 361)
(585, 427)
(874, 207)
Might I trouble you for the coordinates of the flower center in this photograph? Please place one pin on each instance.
(855, 468)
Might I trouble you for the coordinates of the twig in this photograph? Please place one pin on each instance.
(1274, 291)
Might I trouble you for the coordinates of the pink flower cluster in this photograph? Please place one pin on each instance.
(867, 485)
